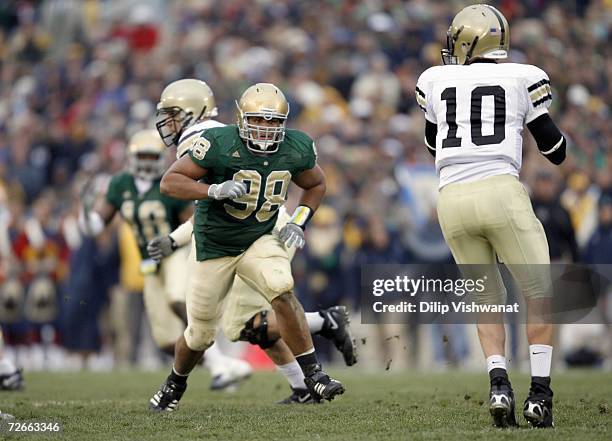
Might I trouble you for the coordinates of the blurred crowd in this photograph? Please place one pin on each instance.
(77, 78)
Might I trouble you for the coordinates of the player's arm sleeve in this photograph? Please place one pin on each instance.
(423, 99)
(547, 135)
(310, 159)
(431, 131)
(203, 152)
(549, 138)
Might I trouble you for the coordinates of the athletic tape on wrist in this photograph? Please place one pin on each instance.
(301, 216)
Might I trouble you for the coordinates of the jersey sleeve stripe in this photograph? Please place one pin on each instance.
(542, 100)
(538, 84)
(421, 101)
(189, 135)
(420, 92)
(540, 95)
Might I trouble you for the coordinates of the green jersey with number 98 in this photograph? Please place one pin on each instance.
(228, 227)
(150, 213)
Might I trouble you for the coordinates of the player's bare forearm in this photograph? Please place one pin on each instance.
(312, 181)
(181, 180)
(180, 186)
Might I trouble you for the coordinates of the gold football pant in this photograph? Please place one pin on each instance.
(162, 289)
(493, 217)
(250, 282)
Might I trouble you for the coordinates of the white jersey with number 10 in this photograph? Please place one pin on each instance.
(480, 111)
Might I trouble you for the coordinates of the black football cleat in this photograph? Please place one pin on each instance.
(538, 407)
(12, 381)
(167, 397)
(321, 385)
(300, 396)
(336, 327)
(501, 403)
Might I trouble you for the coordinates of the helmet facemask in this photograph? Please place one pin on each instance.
(171, 122)
(262, 138)
(448, 54)
(147, 165)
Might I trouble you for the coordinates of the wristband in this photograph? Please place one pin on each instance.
(301, 216)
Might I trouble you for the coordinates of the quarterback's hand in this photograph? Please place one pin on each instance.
(160, 247)
(227, 190)
(292, 235)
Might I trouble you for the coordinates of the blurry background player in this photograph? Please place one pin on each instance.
(10, 376)
(135, 194)
(475, 111)
(184, 112)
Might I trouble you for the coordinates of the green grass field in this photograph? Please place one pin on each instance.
(387, 406)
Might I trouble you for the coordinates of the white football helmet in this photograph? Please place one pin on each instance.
(182, 104)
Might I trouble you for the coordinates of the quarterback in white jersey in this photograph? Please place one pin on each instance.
(247, 316)
(480, 111)
(475, 111)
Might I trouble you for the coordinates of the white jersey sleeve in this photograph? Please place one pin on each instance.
(192, 133)
(538, 93)
(423, 96)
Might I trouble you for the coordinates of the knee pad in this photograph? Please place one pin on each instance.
(257, 335)
(200, 336)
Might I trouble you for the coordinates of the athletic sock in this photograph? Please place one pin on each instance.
(496, 362)
(178, 378)
(293, 373)
(540, 357)
(315, 321)
(308, 362)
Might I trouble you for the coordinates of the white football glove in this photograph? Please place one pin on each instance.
(292, 235)
(227, 190)
(160, 247)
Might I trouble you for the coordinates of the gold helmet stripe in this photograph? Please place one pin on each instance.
(502, 28)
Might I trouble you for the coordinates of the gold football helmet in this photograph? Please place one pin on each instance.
(182, 104)
(262, 116)
(146, 155)
(478, 31)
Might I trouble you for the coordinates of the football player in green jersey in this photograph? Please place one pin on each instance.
(247, 316)
(136, 195)
(240, 175)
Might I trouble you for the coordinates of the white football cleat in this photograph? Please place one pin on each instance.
(6, 416)
(230, 373)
